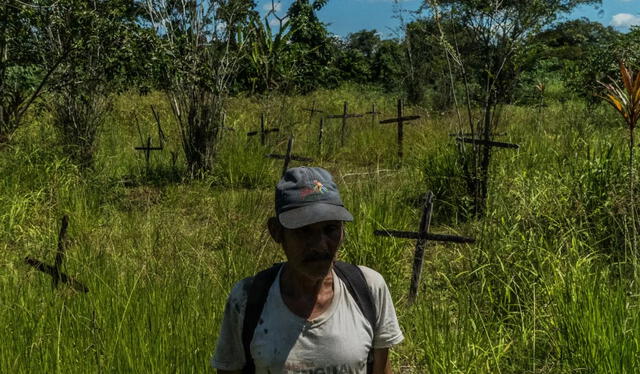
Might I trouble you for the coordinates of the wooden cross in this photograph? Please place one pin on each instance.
(400, 120)
(373, 113)
(312, 110)
(148, 149)
(288, 157)
(161, 136)
(320, 135)
(345, 116)
(224, 127)
(54, 271)
(487, 143)
(263, 132)
(466, 135)
(422, 236)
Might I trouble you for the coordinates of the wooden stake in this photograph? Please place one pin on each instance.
(288, 156)
(400, 120)
(57, 276)
(422, 236)
(344, 116)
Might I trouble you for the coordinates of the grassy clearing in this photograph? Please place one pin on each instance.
(548, 288)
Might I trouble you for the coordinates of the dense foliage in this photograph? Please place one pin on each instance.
(115, 42)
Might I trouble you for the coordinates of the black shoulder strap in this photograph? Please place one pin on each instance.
(356, 283)
(350, 274)
(255, 303)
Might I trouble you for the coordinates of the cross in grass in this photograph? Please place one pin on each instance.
(468, 134)
(400, 120)
(263, 132)
(320, 136)
(288, 157)
(161, 136)
(148, 148)
(57, 276)
(421, 237)
(487, 143)
(313, 110)
(344, 116)
(373, 113)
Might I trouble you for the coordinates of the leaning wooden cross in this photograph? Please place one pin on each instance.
(373, 113)
(288, 157)
(161, 136)
(487, 143)
(422, 236)
(223, 126)
(400, 120)
(148, 148)
(320, 135)
(312, 111)
(468, 134)
(57, 276)
(344, 116)
(263, 132)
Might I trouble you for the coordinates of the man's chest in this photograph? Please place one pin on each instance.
(338, 342)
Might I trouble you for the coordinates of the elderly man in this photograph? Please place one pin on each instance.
(312, 314)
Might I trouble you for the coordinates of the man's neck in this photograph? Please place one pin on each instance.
(306, 297)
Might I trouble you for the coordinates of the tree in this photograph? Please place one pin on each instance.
(312, 46)
(498, 31)
(98, 63)
(575, 53)
(387, 67)
(366, 42)
(23, 74)
(205, 42)
(67, 47)
(270, 55)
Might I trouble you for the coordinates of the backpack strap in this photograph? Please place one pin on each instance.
(354, 279)
(256, 299)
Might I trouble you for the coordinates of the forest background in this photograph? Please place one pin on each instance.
(550, 286)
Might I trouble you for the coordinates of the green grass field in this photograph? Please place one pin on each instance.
(551, 285)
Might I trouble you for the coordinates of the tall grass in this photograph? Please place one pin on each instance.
(547, 288)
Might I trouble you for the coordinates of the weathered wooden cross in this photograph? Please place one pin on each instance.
(344, 116)
(161, 136)
(288, 157)
(54, 271)
(373, 113)
(422, 236)
(224, 127)
(312, 111)
(468, 134)
(263, 132)
(320, 135)
(487, 143)
(148, 148)
(400, 120)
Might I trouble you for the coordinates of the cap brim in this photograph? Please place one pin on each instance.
(313, 213)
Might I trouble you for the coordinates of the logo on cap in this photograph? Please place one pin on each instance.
(316, 189)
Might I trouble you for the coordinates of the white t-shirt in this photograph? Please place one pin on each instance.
(338, 341)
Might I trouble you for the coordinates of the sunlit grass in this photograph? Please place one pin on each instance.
(546, 288)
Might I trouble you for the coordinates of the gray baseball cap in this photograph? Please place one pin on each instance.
(307, 195)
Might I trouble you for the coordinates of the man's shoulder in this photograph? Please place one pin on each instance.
(238, 295)
(240, 291)
(373, 278)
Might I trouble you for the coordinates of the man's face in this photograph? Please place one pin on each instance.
(312, 249)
